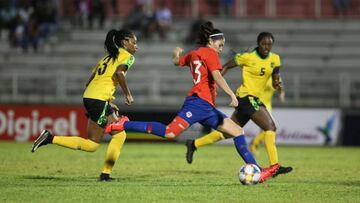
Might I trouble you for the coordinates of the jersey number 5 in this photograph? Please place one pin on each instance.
(262, 71)
(196, 71)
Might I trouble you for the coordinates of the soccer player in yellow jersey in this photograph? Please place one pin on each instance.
(258, 67)
(266, 98)
(110, 72)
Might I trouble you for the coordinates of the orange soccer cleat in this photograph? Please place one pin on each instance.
(117, 125)
(267, 173)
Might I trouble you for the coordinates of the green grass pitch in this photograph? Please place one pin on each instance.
(158, 172)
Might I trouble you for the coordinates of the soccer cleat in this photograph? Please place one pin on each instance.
(117, 125)
(264, 175)
(190, 146)
(104, 177)
(267, 173)
(44, 138)
(282, 170)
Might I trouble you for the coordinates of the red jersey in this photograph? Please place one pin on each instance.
(202, 62)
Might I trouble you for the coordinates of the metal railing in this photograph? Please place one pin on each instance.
(153, 88)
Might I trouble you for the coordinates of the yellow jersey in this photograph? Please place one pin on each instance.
(266, 96)
(256, 72)
(103, 85)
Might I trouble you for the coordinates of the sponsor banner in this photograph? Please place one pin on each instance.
(24, 123)
(300, 126)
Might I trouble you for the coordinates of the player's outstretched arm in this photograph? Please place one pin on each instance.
(176, 55)
(120, 75)
(223, 85)
(228, 65)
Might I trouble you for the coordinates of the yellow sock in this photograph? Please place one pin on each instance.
(210, 138)
(271, 147)
(113, 151)
(75, 142)
(258, 138)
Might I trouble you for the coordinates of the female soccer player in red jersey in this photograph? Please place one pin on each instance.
(199, 105)
(109, 72)
(258, 66)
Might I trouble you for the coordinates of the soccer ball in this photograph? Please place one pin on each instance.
(249, 174)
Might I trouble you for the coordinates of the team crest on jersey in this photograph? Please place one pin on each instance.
(188, 114)
(131, 61)
(272, 64)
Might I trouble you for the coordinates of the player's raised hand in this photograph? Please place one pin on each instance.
(234, 102)
(176, 55)
(177, 50)
(129, 99)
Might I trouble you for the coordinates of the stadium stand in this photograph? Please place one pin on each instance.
(320, 60)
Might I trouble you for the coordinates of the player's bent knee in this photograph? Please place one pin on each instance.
(238, 131)
(230, 128)
(270, 128)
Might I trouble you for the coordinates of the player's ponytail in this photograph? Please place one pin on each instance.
(204, 33)
(111, 43)
(114, 41)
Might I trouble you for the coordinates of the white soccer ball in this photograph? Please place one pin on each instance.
(249, 174)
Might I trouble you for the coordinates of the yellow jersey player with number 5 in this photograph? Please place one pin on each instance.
(258, 66)
(99, 93)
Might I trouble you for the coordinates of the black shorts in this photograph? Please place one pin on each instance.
(247, 106)
(97, 110)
